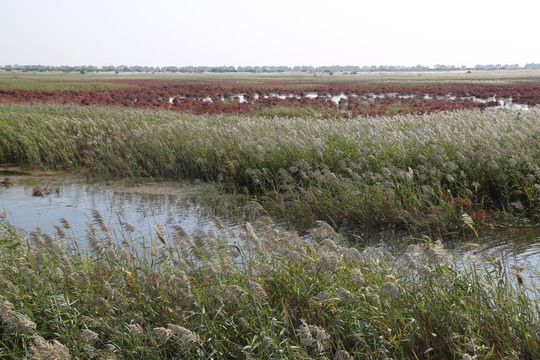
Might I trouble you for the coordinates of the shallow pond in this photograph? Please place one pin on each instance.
(42, 199)
(145, 202)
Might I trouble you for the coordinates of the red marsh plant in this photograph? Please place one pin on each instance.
(219, 97)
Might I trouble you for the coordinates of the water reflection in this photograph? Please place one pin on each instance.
(515, 247)
(501, 103)
(141, 203)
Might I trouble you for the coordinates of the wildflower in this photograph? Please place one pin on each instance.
(344, 294)
(427, 191)
(437, 254)
(59, 231)
(327, 261)
(98, 219)
(267, 340)
(253, 207)
(472, 260)
(65, 223)
(517, 205)
(357, 276)
(251, 237)
(390, 289)
(88, 336)
(234, 293)
(127, 255)
(162, 334)
(135, 329)
(244, 323)
(352, 256)
(160, 233)
(89, 321)
(330, 245)
(43, 350)
(187, 337)
(316, 343)
(324, 297)
(182, 239)
(61, 302)
(91, 350)
(81, 277)
(257, 290)
(343, 355)
(15, 320)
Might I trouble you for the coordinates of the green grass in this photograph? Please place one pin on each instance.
(299, 111)
(45, 85)
(255, 292)
(417, 172)
(499, 76)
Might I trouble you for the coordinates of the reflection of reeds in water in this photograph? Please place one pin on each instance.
(197, 294)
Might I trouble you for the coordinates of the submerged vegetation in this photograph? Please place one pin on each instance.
(407, 171)
(254, 291)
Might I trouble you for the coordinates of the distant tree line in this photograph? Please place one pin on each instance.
(258, 69)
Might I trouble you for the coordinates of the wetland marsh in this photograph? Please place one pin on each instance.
(345, 236)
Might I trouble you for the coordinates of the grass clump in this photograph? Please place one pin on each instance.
(416, 172)
(254, 291)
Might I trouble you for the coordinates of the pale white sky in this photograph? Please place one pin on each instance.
(279, 32)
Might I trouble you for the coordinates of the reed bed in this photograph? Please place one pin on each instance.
(408, 171)
(254, 291)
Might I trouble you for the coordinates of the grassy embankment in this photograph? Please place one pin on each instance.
(415, 172)
(199, 296)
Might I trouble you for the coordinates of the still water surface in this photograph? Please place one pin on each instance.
(145, 202)
(141, 203)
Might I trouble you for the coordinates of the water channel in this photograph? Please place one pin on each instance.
(145, 202)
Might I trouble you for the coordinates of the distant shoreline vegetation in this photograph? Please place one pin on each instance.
(263, 69)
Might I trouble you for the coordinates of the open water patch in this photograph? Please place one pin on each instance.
(36, 201)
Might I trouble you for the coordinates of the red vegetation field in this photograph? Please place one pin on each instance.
(334, 99)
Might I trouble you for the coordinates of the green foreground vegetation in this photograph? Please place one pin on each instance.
(415, 172)
(269, 294)
(257, 290)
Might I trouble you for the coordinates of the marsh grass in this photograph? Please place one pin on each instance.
(254, 291)
(417, 172)
(55, 85)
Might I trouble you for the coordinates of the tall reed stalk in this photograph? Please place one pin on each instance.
(255, 291)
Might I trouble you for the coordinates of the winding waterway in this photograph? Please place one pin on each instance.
(146, 202)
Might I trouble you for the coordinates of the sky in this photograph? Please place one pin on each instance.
(277, 32)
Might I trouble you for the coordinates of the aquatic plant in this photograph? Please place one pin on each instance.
(410, 171)
(255, 291)
(269, 98)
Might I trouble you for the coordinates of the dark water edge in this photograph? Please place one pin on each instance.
(145, 202)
